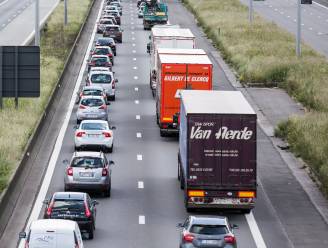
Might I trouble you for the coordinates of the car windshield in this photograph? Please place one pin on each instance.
(94, 126)
(101, 78)
(101, 51)
(68, 205)
(209, 229)
(92, 92)
(92, 102)
(90, 162)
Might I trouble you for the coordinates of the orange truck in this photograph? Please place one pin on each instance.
(176, 72)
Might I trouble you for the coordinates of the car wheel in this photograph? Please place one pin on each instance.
(107, 193)
(78, 121)
(162, 133)
(91, 230)
(181, 181)
(114, 53)
(112, 98)
(110, 150)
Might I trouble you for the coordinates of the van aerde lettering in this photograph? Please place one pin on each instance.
(223, 133)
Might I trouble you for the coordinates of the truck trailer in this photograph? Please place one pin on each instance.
(217, 150)
(177, 72)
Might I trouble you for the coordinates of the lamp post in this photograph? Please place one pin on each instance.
(298, 32)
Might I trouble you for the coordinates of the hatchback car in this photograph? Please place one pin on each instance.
(92, 108)
(74, 206)
(89, 171)
(101, 24)
(113, 31)
(104, 50)
(107, 41)
(91, 91)
(207, 232)
(94, 134)
(105, 80)
(99, 61)
(114, 13)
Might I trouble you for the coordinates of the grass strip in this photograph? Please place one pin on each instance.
(262, 54)
(18, 125)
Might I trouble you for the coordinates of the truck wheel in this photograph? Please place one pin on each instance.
(157, 119)
(245, 211)
(162, 133)
(181, 181)
(153, 93)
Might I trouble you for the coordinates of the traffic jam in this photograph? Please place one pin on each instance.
(216, 133)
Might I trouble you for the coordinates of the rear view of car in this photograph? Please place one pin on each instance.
(113, 31)
(89, 171)
(106, 41)
(92, 108)
(105, 80)
(99, 61)
(102, 23)
(104, 50)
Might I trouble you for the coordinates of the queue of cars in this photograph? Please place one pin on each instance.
(67, 214)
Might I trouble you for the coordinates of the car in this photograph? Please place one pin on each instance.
(91, 91)
(101, 24)
(75, 206)
(92, 108)
(107, 41)
(113, 8)
(94, 134)
(114, 13)
(118, 5)
(104, 50)
(113, 31)
(56, 232)
(109, 17)
(106, 80)
(88, 171)
(99, 61)
(141, 11)
(207, 231)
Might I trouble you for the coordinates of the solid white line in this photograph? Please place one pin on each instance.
(257, 236)
(142, 220)
(136, 101)
(59, 142)
(139, 157)
(4, 2)
(320, 5)
(135, 77)
(139, 135)
(136, 89)
(138, 117)
(140, 185)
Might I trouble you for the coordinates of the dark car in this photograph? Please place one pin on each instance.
(104, 50)
(76, 206)
(101, 24)
(113, 31)
(107, 41)
(99, 61)
(207, 232)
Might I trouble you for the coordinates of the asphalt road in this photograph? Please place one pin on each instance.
(146, 202)
(284, 13)
(19, 15)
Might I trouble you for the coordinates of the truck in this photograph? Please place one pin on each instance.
(177, 72)
(155, 12)
(217, 150)
(167, 37)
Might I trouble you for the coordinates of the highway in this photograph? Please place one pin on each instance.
(284, 13)
(16, 15)
(146, 202)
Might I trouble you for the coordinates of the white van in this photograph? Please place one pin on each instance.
(53, 233)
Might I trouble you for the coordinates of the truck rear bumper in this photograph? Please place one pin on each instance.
(220, 206)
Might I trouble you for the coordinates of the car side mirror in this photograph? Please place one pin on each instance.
(46, 201)
(111, 162)
(148, 47)
(234, 226)
(107, 103)
(75, 127)
(180, 225)
(22, 235)
(65, 162)
(112, 127)
(116, 80)
(94, 202)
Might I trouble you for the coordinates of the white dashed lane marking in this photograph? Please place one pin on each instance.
(138, 117)
(139, 157)
(136, 89)
(135, 68)
(140, 185)
(135, 77)
(139, 135)
(136, 101)
(142, 220)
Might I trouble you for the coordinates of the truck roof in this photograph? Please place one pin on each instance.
(183, 59)
(216, 102)
(181, 51)
(172, 32)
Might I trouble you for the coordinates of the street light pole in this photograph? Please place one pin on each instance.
(250, 11)
(298, 33)
(37, 28)
(65, 12)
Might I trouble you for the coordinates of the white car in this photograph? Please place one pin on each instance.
(105, 80)
(53, 233)
(94, 134)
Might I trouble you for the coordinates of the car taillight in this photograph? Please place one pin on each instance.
(104, 172)
(110, 55)
(80, 134)
(107, 135)
(102, 106)
(49, 209)
(230, 239)
(26, 244)
(69, 171)
(113, 85)
(81, 94)
(82, 107)
(187, 237)
(87, 210)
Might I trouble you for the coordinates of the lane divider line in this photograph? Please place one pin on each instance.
(59, 142)
(140, 185)
(136, 89)
(138, 117)
(139, 135)
(139, 157)
(142, 220)
(257, 236)
(136, 101)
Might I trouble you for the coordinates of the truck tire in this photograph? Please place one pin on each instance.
(182, 186)
(91, 232)
(245, 211)
(162, 133)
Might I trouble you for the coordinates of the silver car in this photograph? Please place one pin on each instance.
(207, 232)
(105, 80)
(92, 108)
(91, 91)
(88, 171)
(94, 134)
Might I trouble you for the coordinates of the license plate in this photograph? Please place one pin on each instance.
(92, 116)
(86, 174)
(225, 201)
(210, 242)
(93, 135)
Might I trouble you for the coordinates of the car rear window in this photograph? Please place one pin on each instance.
(84, 162)
(94, 126)
(64, 204)
(106, 22)
(100, 59)
(112, 28)
(101, 78)
(209, 229)
(92, 93)
(90, 102)
(101, 51)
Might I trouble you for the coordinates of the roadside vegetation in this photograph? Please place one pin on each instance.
(18, 125)
(263, 55)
